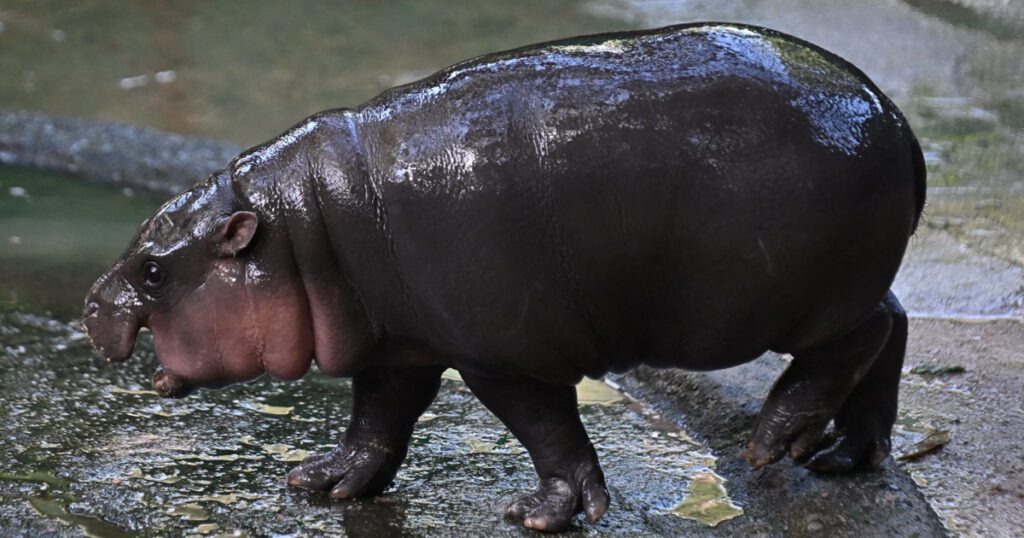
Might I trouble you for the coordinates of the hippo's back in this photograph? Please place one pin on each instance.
(689, 196)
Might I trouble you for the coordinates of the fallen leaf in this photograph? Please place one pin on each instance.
(708, 502)
(936, 370)
(935, 440)
(596, 392)
(189, 512)
(268, 409)
(452, 375)
(227, 499)
(282, 452)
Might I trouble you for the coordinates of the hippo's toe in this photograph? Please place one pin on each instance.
(851, 449)
(553, 506)
(348, 471)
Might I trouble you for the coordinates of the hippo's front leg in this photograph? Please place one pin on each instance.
(546, 420)
(386, 404)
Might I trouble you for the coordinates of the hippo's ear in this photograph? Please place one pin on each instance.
(235, 233)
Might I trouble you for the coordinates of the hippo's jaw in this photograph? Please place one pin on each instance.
(231, 329)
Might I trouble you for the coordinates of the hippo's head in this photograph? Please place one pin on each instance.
(220, 293)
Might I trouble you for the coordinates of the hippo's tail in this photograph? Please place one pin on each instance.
(920, 181)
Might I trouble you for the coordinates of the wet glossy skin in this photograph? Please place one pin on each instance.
(689, 197)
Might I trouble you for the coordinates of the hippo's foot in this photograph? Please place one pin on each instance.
(546, 421)
(557, 501)
(851, 448)
(853, 381)
(386, 404)
(350, 470)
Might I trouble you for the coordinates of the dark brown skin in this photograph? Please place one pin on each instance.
(686, 197)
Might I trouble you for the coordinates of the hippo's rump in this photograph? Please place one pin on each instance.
(689, 196)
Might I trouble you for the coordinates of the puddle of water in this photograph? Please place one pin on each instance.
(52, 502)
(90, 525)
(42, 477)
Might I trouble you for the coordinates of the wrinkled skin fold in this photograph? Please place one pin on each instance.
(685, 197)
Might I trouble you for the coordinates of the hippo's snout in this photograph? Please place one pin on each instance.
(168, 385)
(111, 322)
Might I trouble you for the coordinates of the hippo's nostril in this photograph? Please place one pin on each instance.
(91, 309)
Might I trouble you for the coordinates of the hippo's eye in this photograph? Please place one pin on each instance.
(153, 276)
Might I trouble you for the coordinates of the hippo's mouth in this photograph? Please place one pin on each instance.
(168, 385)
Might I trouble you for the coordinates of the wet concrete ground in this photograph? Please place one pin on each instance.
(92, 451)
(976, 482)
(95, 452)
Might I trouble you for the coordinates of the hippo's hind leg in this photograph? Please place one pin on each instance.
(546, 420)
(854, 381)
(863, 427)
(386, 404)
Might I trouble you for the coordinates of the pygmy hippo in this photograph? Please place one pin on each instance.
(686, 197)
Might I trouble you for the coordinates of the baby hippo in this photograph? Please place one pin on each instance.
(687, 197)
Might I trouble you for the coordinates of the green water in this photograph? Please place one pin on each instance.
(244, 71)
(57, 235)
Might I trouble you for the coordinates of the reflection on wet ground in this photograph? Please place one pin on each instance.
(92, 449)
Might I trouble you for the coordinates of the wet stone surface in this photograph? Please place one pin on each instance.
(93, 451)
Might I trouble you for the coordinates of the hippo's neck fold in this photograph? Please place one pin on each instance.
(295, 183)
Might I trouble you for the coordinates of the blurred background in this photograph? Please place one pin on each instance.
(239, 73)
(244, 72)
